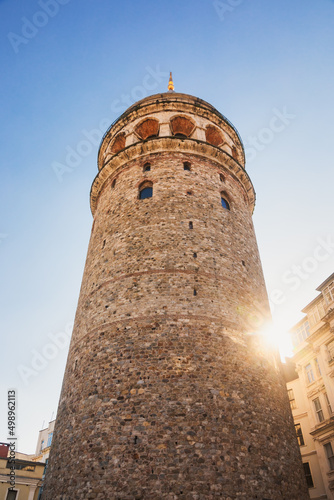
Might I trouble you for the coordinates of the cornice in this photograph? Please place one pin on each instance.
(304, 351)
(177, 102)
(329, 316)
(326, 282)
(22, 480)
(315, 388)
(326, 426)
(168, 144)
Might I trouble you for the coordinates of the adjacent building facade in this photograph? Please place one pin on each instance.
(311, 390)
(29, 469)
(44, 442)
(28, 476)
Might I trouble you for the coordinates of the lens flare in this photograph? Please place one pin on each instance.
(277, 337)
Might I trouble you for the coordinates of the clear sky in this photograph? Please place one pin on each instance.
(69, 68)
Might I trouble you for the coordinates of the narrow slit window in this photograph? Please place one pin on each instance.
(328, 404)
(191, 225)
(308, 475)
(299, 433)
(309, 373)
(318, 410)
(292, 399)
(146, 190)
(146, 193)
(225, 203)
(330, 455)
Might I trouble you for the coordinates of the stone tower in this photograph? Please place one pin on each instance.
(168, 390)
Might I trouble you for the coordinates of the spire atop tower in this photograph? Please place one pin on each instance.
(170, 83)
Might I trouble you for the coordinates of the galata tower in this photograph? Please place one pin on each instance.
(169, 390)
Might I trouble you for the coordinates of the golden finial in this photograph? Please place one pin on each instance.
(170, 83)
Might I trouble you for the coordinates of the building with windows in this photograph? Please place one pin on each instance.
(311, 390)
(44, 443)
(29, 469)
(27, 478)
(43, 449)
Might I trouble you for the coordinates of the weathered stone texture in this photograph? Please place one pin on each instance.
(168, 391)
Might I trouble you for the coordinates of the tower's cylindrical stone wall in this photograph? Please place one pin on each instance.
(168, 390)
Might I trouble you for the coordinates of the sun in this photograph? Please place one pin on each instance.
(276, 335)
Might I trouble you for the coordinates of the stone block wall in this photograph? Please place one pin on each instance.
(168, 390)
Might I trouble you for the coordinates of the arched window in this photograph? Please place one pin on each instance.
(145, 190)
(186, 165)
(214, 136)
(147, 167)
(148, 128)
(182, 127)
(225, 203)
(118, 143)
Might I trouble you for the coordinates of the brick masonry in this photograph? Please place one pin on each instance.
(169, 391)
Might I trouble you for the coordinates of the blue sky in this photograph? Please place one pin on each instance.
(82, 65)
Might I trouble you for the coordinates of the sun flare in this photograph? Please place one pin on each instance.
(277, 337)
